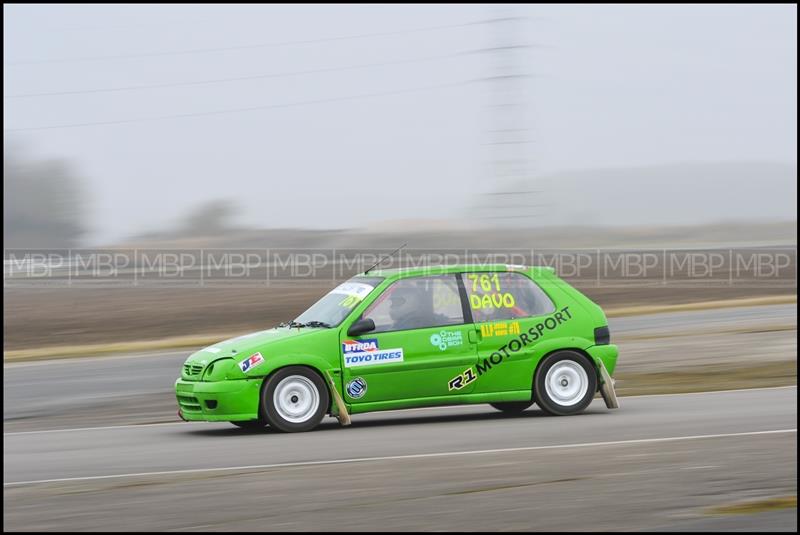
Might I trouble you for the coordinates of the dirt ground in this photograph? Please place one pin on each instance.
(66, 316)
(141, 303)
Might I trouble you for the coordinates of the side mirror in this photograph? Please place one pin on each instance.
(360, 327)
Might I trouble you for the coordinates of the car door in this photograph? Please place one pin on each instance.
(419, 345)
(504, 305)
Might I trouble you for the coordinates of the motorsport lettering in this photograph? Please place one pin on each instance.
(533, 334)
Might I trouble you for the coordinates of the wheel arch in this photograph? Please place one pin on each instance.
(310, 366)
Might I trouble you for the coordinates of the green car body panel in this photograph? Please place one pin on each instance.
(472, 362)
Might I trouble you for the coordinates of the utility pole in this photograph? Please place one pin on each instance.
(510, 199)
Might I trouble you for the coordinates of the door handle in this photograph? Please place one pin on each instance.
(472, 336)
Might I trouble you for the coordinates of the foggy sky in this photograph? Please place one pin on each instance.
(612, 86)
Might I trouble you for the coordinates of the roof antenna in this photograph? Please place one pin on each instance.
(384, 258)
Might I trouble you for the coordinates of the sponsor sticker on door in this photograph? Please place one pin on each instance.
(359, 346)
(445, 339)
(370, 358)
(357, 388)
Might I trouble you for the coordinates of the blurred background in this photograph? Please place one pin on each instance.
(356, 117)
(364, 127)
(648, 153)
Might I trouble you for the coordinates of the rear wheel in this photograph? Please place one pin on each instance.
(294, 399)
(512, 407)
(565, 383)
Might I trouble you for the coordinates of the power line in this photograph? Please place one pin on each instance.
(240, 110)
(234, 79)
(259, 45)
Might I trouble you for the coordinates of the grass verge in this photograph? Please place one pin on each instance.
(703, 305)
(755, 506)
(708, 378)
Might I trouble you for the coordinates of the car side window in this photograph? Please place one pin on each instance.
(504, 295)
(416, 303)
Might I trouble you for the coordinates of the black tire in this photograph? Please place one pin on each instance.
(511, 407)
(250, 424)
(307, 379)
(552, 405)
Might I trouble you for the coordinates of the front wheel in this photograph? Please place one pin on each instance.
(294, 399)
(565, 383)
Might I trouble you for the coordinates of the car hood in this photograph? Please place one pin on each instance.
(242, 347)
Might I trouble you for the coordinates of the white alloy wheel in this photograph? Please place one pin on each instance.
(566, 383)
(296, 399)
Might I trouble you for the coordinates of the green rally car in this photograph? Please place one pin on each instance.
(393, 339)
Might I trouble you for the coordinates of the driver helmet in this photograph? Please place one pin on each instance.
(406, 301)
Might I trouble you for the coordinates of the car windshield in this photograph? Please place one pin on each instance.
(334, 307)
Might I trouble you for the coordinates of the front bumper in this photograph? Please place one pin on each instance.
(226, 401)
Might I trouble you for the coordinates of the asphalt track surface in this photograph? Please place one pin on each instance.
(658, 462)
(69, 386)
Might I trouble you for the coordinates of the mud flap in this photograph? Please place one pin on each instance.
(607, 387)
(341, 409)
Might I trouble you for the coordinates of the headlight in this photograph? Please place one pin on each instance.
(217, 370)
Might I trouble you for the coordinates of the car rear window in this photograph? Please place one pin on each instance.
(504, 295)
